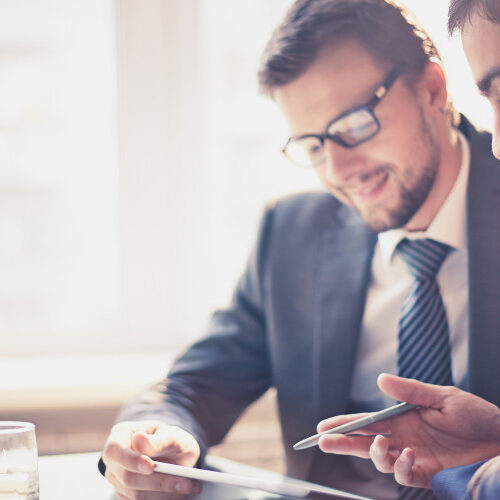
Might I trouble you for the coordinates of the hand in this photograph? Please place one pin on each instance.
(128, 455)
(451, 428)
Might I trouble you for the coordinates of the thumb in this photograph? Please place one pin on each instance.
(152, 444)
(412, 391)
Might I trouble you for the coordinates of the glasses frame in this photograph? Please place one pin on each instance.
(369, 106)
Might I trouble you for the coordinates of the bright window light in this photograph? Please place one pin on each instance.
(136, 157)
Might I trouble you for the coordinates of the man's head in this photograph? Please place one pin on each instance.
(479, 23)
(386, 29)
(391, 161)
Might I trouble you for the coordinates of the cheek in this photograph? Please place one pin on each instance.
(321, 173)
(402, 140)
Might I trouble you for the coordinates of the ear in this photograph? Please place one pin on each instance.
(433, 86)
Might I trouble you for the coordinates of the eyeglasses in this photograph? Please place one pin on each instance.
(349, 130)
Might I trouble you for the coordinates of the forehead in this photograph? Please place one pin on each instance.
(342, 76)
(481, 41)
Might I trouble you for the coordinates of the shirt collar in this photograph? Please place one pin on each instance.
(448, 225)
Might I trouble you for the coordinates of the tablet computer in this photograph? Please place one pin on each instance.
(279, 486)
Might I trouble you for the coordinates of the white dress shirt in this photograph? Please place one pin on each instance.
(389, 286)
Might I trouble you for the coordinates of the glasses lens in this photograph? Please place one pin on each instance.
(354, 127)
(305, 151)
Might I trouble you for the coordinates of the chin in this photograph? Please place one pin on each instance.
(380, 226)
(380, 221)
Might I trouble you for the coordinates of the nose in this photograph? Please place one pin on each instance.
(496, 134)
(496, 144)
(338, 162)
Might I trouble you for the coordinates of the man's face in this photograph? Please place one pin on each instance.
(391, 177)
(481, 41)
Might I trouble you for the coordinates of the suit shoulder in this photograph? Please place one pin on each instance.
(307, 207)
(479, 140)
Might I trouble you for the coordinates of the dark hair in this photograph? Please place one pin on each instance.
(387, 29)
(461, 11)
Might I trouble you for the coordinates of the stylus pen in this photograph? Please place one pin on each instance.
(356, 424)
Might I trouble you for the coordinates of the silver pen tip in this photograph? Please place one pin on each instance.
(305, 443)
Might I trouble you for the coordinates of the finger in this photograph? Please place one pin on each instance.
(331, 422)
(413, 391)
(158, 483)
(127, 493)
(340, 444)
(162, 442)
(380, 455)
(403, 468)
(117, 485)
(151, 495)
(116, 454)
(382, 427)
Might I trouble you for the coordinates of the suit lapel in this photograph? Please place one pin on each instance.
(345, 264)
(342, 271)
(483, 227)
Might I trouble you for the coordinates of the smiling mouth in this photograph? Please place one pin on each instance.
(368, 185)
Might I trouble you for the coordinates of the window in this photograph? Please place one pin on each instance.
(135, 160)
(58, 173)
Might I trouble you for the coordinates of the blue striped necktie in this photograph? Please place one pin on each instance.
(424, 346)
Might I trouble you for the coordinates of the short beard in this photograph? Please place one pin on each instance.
(413, 190)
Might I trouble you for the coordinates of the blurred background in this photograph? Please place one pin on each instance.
(136, 157)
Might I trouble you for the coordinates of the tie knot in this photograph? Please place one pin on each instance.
(423, 257)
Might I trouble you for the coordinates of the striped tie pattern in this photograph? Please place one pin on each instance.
(424, 346)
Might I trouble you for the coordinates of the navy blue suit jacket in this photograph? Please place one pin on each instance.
(295, 317)
(480, 481)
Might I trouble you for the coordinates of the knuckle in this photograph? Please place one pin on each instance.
(401, 479)
(128, 478)
(110, 450)
(110, 477)
(165, 484)
(380, 465)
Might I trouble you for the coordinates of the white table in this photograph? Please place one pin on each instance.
(72, 476)
(76, 477)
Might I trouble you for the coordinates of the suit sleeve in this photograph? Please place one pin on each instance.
(211, 384)
(479, 481)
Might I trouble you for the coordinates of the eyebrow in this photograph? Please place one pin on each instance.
(484, 84)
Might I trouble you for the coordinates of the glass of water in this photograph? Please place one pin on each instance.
(18, 461)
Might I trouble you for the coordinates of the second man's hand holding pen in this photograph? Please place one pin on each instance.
(451, 428)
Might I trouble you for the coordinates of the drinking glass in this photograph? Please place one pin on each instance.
(18, 461)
